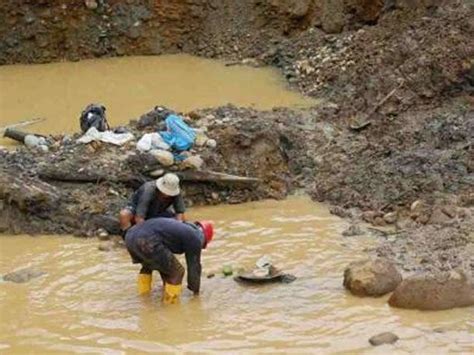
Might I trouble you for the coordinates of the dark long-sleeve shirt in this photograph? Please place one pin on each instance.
(148, 204)
(178, 237)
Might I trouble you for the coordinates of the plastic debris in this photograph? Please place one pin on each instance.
(107, 137)
(151, 141)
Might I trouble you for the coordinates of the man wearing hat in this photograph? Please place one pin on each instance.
(153, 244)
(154, 199)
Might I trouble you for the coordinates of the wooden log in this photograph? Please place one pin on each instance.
(15, 134)
(85, 176)
(213, 176)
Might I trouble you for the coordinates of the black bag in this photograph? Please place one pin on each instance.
(94, 116)
(155, 118)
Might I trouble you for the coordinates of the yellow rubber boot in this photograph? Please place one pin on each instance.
(171, 293)
(144, 284)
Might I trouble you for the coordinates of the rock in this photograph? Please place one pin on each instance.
(102, 234)
(108, 223)
(193, 115)
(211, 275)
(365, 11)
(164, 157)
(108, 246)
(294, 8)
(369, 216)
(91, 4)
(333, 16)
(157, 173)
(450, 211)
(193, 162)
(379, 221)
(420, 212)
(383, 338)
(33, 141)
(305, 67)
(211, 143)
(353, 230)
(390, 217)
(201, 139)
(133, 33)
(434, 291)
(438, 217)
(416, 205)
(371, 277)
(250, 62)
(340, 212)
(23, 275)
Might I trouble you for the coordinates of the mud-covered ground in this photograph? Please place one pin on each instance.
(391, 144)
(423, 195)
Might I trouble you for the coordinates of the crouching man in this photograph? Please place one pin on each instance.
(154, 199)
(153, 244)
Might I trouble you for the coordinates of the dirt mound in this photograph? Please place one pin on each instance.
(74, 187)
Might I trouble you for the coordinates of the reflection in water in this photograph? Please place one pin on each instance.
(88, 301)
(131, 86)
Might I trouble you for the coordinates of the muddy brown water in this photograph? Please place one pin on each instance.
(131, 86)
(87, 302)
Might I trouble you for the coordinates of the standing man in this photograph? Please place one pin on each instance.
(154, 199)
(153, 244)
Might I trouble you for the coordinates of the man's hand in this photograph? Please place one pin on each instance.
(139, 219)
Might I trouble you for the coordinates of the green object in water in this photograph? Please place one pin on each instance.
(227, 270)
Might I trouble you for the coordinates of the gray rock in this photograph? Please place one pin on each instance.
(371, 277)
(23, 275)
(352, 231)
(383, 338)
(91, 4)
(102, 234)
(435, 291)
(67, 139)
(107, 246)
(211, 143)
(33, 141)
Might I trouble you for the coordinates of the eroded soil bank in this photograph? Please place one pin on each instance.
(392, 143)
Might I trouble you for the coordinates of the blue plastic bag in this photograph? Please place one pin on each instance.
(179, 136)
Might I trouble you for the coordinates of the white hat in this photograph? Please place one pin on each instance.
(168, 184)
